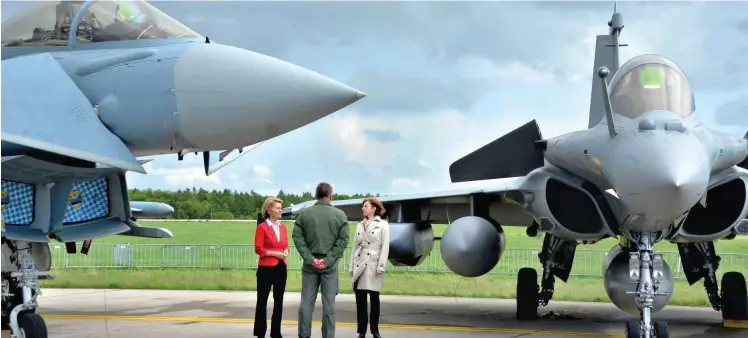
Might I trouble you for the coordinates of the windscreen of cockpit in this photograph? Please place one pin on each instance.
(48, 23)
(129, 20)
(652, 86)
(43, 23)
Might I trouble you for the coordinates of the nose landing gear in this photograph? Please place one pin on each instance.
(646, 270)
(20, 291)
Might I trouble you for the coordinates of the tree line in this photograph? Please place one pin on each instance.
(220, 204)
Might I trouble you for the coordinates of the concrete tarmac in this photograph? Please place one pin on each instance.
(165, 313)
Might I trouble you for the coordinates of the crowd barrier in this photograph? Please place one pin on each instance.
(587, 263)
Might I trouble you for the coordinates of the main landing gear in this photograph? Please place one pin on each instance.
(699, 261)
(20, 288)
(557, 257)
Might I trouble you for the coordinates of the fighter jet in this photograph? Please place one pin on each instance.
(88, 88)
(646, 170)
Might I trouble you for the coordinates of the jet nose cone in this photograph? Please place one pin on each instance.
(230, 97)
(661, 178)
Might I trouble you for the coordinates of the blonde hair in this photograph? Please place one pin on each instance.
(378, 207)
(268, 203)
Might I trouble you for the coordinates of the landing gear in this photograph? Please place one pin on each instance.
(20, 288)
(633, 329)
(557, 257)
(32, 325)
(646, 270)
(700, 261)
(734, 297)
(527, 294)
(661, 330)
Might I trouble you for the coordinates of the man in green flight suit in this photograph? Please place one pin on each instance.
(321, 236)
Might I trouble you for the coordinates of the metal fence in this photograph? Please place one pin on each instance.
(206, 256)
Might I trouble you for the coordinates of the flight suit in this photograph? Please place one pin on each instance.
(320, 231)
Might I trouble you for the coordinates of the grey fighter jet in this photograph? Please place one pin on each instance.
(646, 170)
(90, 86)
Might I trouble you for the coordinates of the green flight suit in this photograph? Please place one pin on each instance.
(321, 231)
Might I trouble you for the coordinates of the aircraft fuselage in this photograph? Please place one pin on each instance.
(658, 165)
(163, 96)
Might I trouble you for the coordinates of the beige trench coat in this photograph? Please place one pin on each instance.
(371, 246)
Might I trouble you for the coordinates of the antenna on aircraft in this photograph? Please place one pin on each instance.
(616, 26)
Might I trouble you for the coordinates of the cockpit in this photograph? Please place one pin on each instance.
(49, 23)
(647, 83)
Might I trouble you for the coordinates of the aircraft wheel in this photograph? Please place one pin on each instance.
(32, 325)
(661, 330)
(734, 296)
(633, 329)
(527, 294)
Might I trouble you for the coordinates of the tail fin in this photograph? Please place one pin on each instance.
(606, 55)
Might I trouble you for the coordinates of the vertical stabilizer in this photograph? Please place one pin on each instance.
(606, 55)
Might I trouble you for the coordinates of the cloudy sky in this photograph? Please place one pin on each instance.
(444, 78)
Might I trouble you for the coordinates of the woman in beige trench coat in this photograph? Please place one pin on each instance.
(368, 262)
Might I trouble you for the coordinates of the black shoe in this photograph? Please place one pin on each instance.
(362, 335)
(376, 335)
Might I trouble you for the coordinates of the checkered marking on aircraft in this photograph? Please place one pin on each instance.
(87, 201)
(17, 203)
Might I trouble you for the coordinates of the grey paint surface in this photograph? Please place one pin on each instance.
(495, 317)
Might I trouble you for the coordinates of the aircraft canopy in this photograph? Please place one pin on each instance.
(650, 83)
(48, 23)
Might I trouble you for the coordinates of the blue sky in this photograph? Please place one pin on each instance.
(444, 78)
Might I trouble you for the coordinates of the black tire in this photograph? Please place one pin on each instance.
(633, 329)
(32, 324)
(734, 297)
(527, 294)
(661, 330)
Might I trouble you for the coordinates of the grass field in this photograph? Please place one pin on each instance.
(233, 235)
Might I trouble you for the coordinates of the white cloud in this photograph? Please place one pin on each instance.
(263, 173)
(268, 192)
(234, 178)
(403, 183)
(413, 129)
(424, 164)
(182, 177)
(476, 67)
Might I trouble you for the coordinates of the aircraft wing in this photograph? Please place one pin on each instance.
(442, 206)
(44, 110)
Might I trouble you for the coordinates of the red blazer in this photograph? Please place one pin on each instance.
(265, 241)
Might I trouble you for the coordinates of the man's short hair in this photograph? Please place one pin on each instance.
(323, 190)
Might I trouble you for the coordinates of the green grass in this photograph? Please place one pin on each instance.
(223, 233)
(201, 248)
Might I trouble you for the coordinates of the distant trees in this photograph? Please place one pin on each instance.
(219, 204)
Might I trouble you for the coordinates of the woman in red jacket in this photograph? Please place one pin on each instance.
(271, 244)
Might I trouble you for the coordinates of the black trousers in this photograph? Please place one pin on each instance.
(361, 307)
(270, 277)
